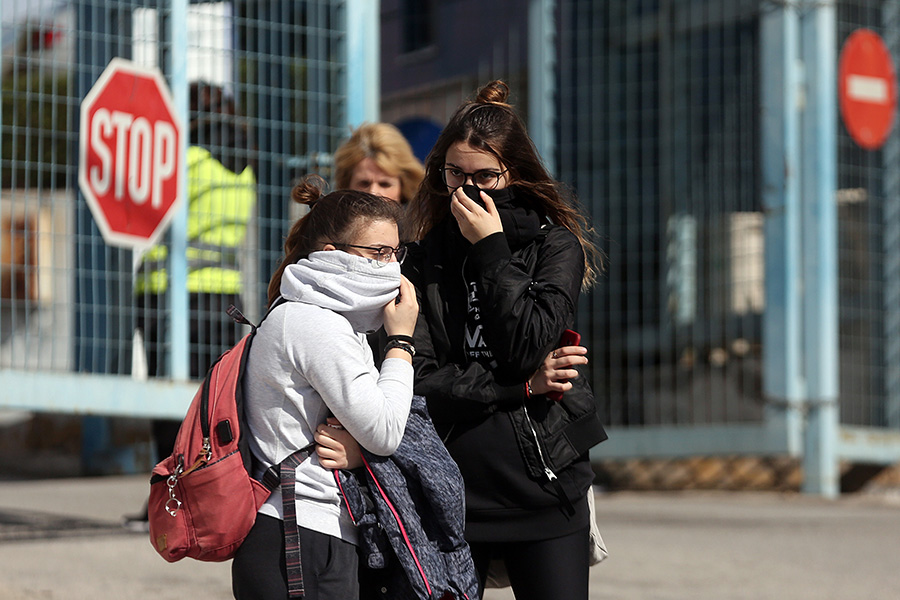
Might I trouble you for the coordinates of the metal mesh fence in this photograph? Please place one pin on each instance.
(868, 252)
(267, 94)
(659, 134)
(36, 215)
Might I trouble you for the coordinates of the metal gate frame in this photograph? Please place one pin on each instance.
(800, 322)
(120, 395)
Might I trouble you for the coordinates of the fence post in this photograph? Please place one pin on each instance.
(176, 66)
(363, 61)
(96, 264)
(542, 79)
(780, 164)
(891, 243)
(820, 465)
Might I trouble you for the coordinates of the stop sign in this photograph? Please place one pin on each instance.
(130, 157)
(867, 88)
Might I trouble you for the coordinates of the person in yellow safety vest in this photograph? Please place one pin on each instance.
(221, 198)
(220, 206)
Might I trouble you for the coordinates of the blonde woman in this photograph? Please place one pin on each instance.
(378, 159)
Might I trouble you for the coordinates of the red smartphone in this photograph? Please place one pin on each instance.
(569, 338)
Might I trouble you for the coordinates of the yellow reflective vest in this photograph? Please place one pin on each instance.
(220, 207)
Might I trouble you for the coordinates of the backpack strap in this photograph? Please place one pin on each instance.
(270, 477)
(284, 474)
(288, 478)
(238, 317)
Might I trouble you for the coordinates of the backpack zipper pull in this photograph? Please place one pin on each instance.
(173, 503)
(203, 458)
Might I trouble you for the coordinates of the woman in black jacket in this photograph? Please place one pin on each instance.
(502, 259)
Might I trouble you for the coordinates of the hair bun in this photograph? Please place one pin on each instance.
(496, 92)
(309, 190)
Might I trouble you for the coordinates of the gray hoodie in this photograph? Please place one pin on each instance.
(310, 360)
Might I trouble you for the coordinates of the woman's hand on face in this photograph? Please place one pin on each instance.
(558, 365)
(336, 447)
(400, 314)
(475, 222)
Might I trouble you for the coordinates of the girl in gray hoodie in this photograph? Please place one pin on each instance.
(311, 379)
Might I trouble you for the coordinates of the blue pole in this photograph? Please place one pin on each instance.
(783, 382)
(178, 294)
(891, 244)
(363, 61)
(93, 270)
(818, 46)
(542, 79)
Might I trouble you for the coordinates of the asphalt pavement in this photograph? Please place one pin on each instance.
(62, 539)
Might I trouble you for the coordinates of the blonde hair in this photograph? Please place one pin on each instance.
(386, 146)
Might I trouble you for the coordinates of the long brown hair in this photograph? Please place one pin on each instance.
(337, 217)
(490, 124)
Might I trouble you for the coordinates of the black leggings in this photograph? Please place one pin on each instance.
(258, 570)
(541, 569)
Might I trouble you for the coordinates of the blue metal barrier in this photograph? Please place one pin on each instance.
(67, 332)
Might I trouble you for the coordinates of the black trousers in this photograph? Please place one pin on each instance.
(258, 569)
(541, 569)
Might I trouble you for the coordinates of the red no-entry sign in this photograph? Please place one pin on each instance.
(130, 141)
(867, 88)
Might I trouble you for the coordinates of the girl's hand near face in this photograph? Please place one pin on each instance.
(475, 222)
(336, 447)
(400, 315)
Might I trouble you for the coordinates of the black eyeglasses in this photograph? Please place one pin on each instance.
(485, 179)
(383, 254)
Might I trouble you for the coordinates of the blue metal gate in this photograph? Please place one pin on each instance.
(67, 307)
(753, 270)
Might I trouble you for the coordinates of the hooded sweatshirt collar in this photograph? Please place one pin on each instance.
(353, 286)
